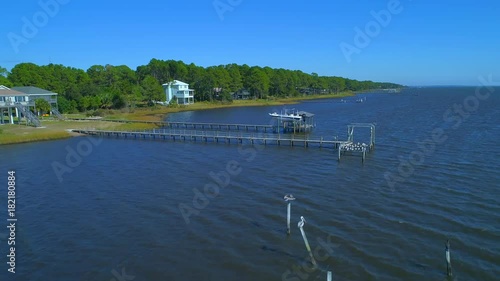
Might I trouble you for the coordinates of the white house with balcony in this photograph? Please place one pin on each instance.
(178, 91)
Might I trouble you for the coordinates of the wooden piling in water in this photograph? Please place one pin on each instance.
(288, 198)
(448, 259)
(306, 242)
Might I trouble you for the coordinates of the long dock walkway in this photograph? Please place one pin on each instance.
(193, 125)
(346, 147)
(219, 136)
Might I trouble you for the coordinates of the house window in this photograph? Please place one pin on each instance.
(19, 99)
(2, 99)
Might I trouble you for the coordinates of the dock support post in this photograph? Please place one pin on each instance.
(288, 198)
(11, 119)
(448, 259)
(301, 227)
(329, 276)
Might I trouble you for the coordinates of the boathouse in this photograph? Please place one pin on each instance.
(293, 122)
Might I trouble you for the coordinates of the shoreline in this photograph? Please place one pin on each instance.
(159, 113)
(58, 129)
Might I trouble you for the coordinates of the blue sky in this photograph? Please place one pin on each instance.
(424, 43)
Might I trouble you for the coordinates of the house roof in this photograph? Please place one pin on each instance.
(304, 113)
(4, 91)
(176, 82)
(30, 90)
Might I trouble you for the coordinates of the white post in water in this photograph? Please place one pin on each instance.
(301, 226)
(448, 259)
(329, 276)
(288, 198)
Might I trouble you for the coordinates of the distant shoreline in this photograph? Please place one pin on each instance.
(56, 130)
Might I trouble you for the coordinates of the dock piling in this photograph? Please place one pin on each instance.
(448, 259)
(301, 227)
(288, 198)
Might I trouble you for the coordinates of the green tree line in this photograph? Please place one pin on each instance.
(117, 87)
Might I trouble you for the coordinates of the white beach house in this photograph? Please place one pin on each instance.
(179, 91)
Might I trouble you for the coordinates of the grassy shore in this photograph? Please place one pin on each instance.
(55, 129)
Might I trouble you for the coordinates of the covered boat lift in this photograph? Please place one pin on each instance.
(303, 124)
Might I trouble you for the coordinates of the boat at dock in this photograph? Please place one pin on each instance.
(286, 116)
(293, 121)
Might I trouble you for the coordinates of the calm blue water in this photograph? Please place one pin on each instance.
(118, 209)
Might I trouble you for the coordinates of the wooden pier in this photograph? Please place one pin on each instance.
(343, 147)
(221, 126)
(218, 136)
(194, 125)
